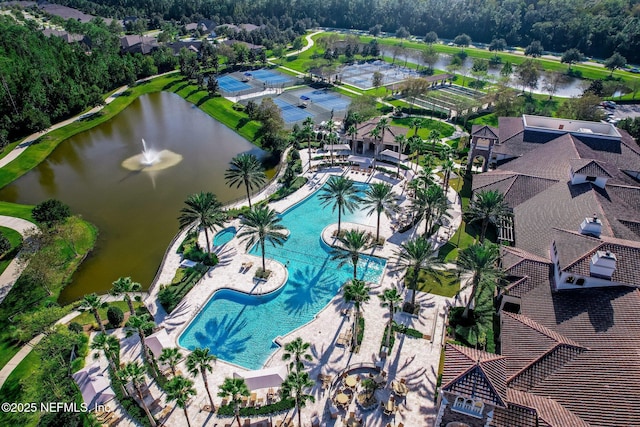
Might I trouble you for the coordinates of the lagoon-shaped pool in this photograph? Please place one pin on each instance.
(240, 328)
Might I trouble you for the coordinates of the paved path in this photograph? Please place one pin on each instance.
(15, 268)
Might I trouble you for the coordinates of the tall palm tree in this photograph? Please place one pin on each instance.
(390, 299)
(308, 133)
(134, 372)
(180, 389)
(110, 345)
(93, 303)
(447, 167)
(139, 325)
(245, 170)
(482, 261)
(417, 146)
(383, 126)
(426, 203)
(296, 351)
(202, 210)
(341, 193)
(434, 137)
(123, 286)
(353, 242)
(233, 389)
(426, 176)
(332, 139)
(170, 357)
(401, 140)
(375, 134)
(416, 255)
(487, 206)
(380, 198)
(200, 361)
(352, 131)
(262, 225)
(296, 386)
(357, 292)
(416, 123)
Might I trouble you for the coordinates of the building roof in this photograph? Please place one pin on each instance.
(390, 134)
(548, 410)
(484, 131)
(475, 374)
(588, 167)
(66, 36)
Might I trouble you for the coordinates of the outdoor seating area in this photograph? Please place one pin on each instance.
(344, 339)
(389, 407)
(400, 388)
(246, 266)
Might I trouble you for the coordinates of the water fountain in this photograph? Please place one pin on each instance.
(150, 160)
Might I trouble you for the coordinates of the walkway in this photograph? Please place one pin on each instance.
(16, 267)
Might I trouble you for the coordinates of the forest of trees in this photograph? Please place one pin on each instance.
(597, 27)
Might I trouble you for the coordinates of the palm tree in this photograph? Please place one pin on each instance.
(401, 140)
(123, 286)
(140, 324)
(341, 193)
(353, 242)
(482, 261)
(352, 131)
(434, 136)
(391, 299)
(416, 123)
(357, 292)
(134, 372)
(93, 303)
(332, 139)
(170, 357)
(416, 145)
(447, 167)
(426, 203)
(296, 351)
(383, 126)
(308, 133)
(487, 206)
(262, 225)
(200, 361)
(296, 386)
(416, 255)
(375, 134)
(234, 389)
(245, 170)
(203, 210)
(380, 198)
(180, 389)
(110, 345)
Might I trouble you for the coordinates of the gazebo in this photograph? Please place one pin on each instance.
(94, 386)
(158, 341)
(393, 155)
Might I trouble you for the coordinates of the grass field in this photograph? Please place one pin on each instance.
(16, 240)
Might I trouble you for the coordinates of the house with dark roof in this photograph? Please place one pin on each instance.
(569, 329)
(138, 44)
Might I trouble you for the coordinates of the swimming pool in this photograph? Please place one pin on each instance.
(240, 328)
(224, 236)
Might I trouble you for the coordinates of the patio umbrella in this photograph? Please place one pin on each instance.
(94, 386)
(263, 378)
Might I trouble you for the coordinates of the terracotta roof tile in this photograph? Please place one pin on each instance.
(475, 374)
(549, 411)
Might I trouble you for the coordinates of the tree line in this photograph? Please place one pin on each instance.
(596, 28)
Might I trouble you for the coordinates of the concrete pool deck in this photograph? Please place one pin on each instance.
(415, 360)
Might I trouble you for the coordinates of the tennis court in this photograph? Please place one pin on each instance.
(270, 77)
(229, 84)
(328, 100)
(361, 75)
(291, 113)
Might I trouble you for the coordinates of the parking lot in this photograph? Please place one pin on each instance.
(622, 111)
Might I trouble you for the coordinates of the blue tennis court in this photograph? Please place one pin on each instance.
(328, 100)
(229, 84)
(270, 77)
(291, 113)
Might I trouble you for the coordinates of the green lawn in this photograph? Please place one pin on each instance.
(12, 391)
(444, 283)
(16, 240)
(428, 125)
(87, 318)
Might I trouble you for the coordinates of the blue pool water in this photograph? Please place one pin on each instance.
(241, 328)
(224, 236)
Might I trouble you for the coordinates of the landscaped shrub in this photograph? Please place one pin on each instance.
(184, 280)
(262, 274)
(5, 244)
(128, 403)
(50, 212)
(75, 327)
(274, 408)
(115, 316)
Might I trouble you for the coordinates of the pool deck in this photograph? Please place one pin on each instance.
(415, 360)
